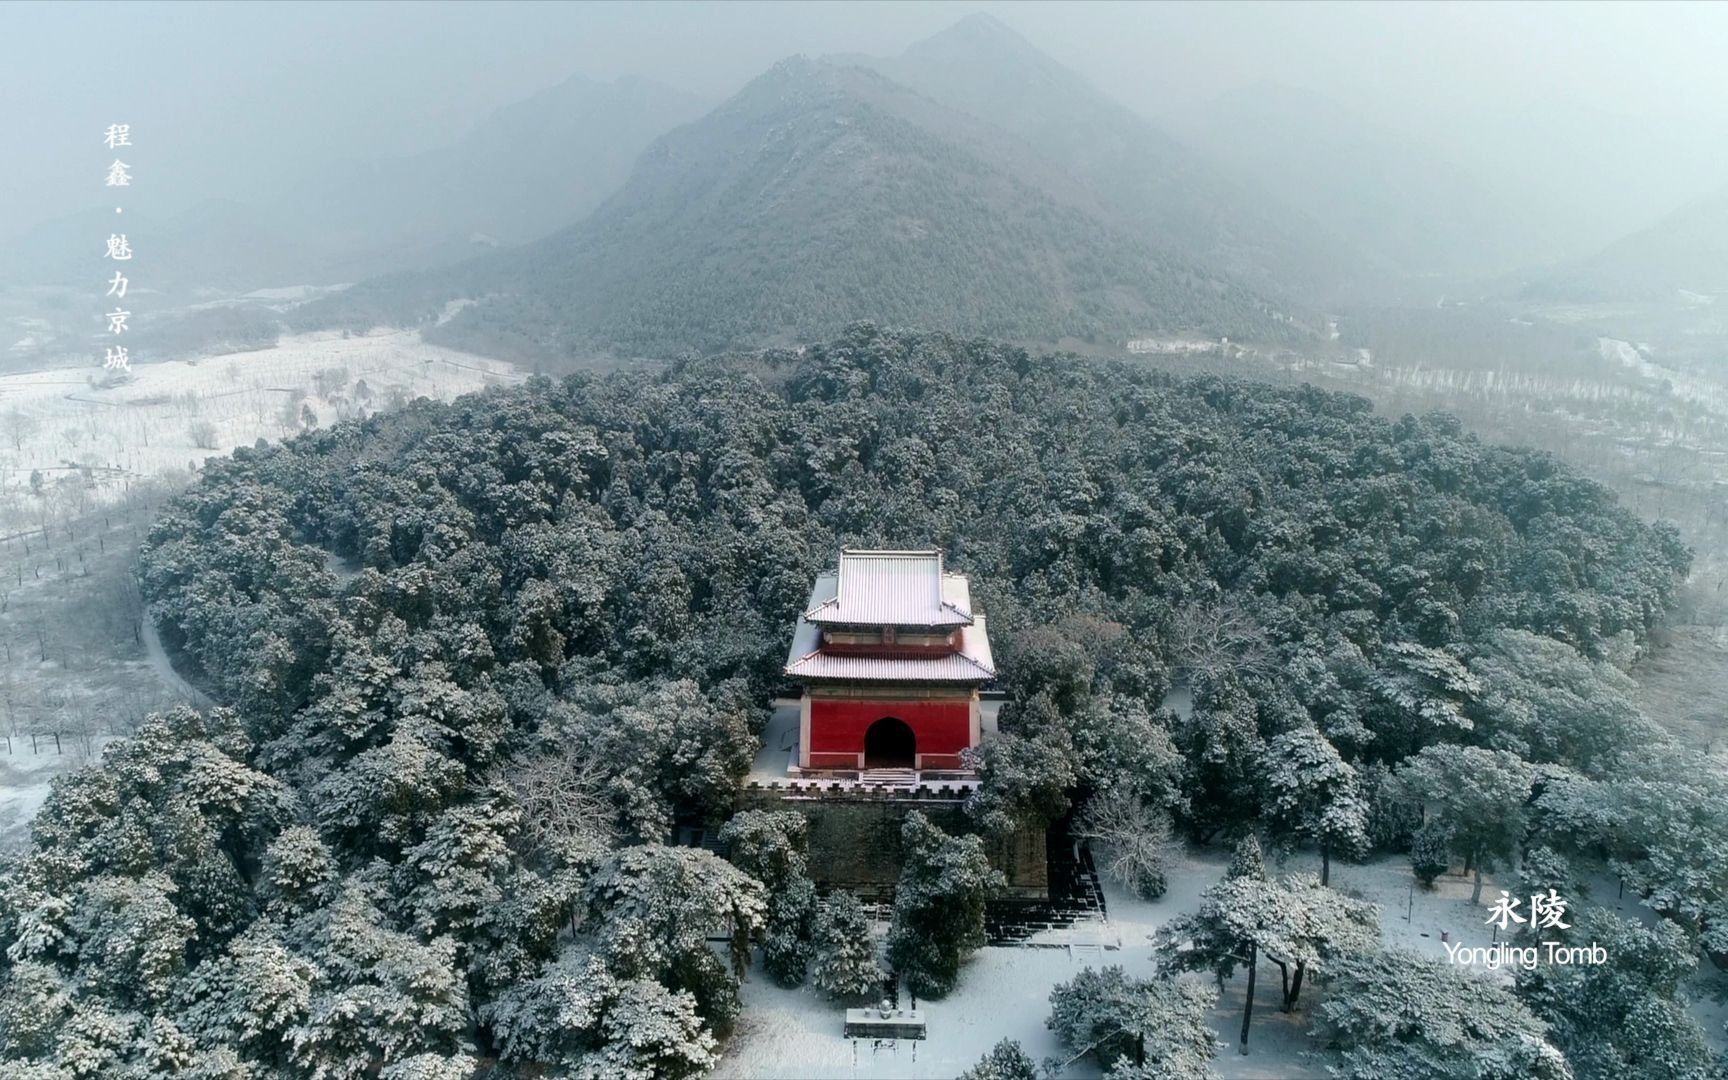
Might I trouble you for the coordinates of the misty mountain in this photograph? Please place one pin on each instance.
(1154, 184)
(822, 194)
(1684, 253)
(1384, 192)
(218, 244)
(529, 169)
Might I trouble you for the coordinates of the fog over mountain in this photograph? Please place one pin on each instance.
(1562, 118)
(1682, 257)
(821, 194)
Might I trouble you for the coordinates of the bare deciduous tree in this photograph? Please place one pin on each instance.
(1216, 638)
(565, 809)
(1129, 838)
(18, 426)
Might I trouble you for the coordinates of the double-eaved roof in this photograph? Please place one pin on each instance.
(892, 588)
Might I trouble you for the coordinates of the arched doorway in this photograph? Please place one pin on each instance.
(890, 744)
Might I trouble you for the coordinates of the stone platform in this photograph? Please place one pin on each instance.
(884, 1024)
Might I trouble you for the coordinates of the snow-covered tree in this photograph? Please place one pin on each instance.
(770, 846)
(132, 939)
(669, 747)
(1297, 923)
(1431, 851)
(652, 908)
(1136, 1027)
(1024, 781)
(652, 905)
(1392, 819)
(1312, 793)
(1542, 868)
(1664, 827)
(1247, 860)
(1005, 1061)
(1211, 641)
(1545, 702)
(1480, 794)
(35, 1000)
(251, 997)
(843, 950)
(582, 1019)
(938, 905)
(567, 815)
(1397, 1015)
(381, 996)
(1221, 741)
(300, 871)
(1421, 694)
(431, 1067)
(1627, 1016)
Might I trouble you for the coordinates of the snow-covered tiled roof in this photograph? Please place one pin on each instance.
(971, 663)
(890, 588)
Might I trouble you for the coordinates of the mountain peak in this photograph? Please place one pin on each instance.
(979, 36)
(982, 26)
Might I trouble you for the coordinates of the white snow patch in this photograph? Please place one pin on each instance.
(152, 422)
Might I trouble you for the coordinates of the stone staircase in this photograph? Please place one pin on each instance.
(890, 778)
(1075, 897)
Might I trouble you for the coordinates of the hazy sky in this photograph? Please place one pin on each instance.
(1625, 102)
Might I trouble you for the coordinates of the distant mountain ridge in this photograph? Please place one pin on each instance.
(1684, 255)
(529, 169)
(819, 195)
(1386, 195)
(1153, 182)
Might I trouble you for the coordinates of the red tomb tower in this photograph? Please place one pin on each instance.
(892, 656)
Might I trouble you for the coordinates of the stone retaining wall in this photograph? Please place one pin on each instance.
(855, 834)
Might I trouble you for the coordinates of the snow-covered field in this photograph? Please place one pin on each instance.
(1005, 992)
(156, 420)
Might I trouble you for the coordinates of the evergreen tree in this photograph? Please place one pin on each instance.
(1247, 860)
(1313, 793)
(938, 905)
(1136, 1028)
(1480, 795)
(770, 846)
(1005, 1061)
(1431, 851)
(1627, 1016)
(1297, 923)
(843, 949)
(582, 1018)
(1398, 1016)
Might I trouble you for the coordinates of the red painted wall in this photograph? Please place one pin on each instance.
(941, 727)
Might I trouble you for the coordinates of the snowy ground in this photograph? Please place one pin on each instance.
(153, 422)
(1004, 992)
